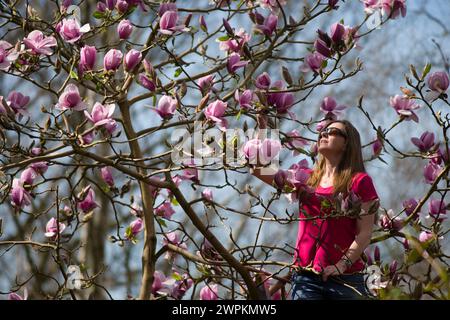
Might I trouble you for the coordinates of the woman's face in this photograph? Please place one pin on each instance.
(332, 140)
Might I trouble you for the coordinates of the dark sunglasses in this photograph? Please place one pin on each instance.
(332, 131)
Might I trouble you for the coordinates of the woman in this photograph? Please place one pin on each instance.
(327, 258)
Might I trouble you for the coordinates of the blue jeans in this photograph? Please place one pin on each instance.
(310, 286)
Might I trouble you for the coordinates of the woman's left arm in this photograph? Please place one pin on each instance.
(364, 227)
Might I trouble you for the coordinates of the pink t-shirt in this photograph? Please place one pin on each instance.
(323, 242)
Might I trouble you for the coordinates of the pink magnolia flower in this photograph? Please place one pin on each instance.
(431, 171)
(190, 173)
(245, 99)
(88, 203)
(332, 4)
(51, 229)
(124, 29)
(438, 81)
(70, 99)
(235, 45)
(425, 236)
(146, 82)
(88, 56)
(263, 81)
(405, 107)
(39, 167)
(215, 112)
(87, 138)
(136, 210)
(295, 141)
(66, 4)
(149, 70)
(135, 227)
(437, 207)
(106, 174)
(101, 7)
(389, 223)
(313, 62)
(15, 296)
(280, 178)
(166, 107)
(269, 25)
(205, 83)
(158, 280)
(19, 196)
(410, 205)
(298, 176)
(377, 147)
(28, 176)
(337, 32)
(110, 4)
(425, 142)
(122, 5)
(36, 151)
(441, 155)
(165, 210)
(234, 62)
(202, 23)
(177, 288)
(208, 194)
(371, 5)
(209, 292)
(322, 48)
(164, 7)
(38, 43)
(112, 59)
(132, 59)
(71, 31)
(7, 55)
(281, 100)
(173, 238)
(168, 24)
(331, 108)
(393, 8)
(17, 102)
(271, 4)
(262, 150)
(101, 115)
(377, 254)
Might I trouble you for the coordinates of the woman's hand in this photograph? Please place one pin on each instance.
(336, 269)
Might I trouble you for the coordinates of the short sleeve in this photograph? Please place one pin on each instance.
(364, 188)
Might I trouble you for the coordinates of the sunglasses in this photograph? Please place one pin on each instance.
(332, 131)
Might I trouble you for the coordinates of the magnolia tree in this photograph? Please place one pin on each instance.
(82, 168)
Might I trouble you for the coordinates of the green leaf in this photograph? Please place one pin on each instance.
(426, 70)
(177, 277)
(162, 222)
(239, 114)
(128, 232)
(174, 201)
(98, 15)
(73, 75)
(177, 72)
(223, 38)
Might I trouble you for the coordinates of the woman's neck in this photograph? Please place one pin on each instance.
(331, 167)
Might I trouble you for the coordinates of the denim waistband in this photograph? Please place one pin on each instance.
(314, 274)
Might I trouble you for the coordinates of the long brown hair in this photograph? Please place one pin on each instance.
(351, 162)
